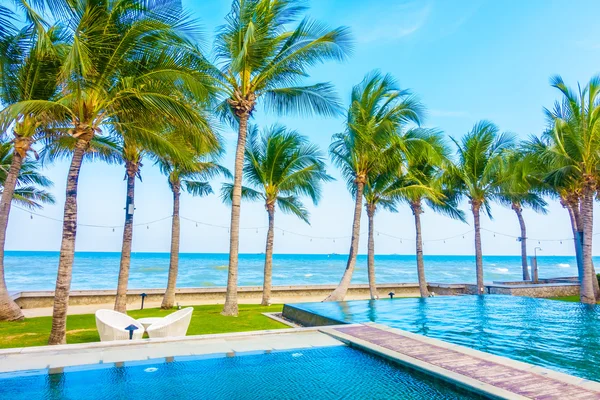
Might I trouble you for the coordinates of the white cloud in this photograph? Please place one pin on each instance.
(391, 22)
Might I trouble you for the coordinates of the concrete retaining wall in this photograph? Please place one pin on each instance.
(544, 290)
(42, 299)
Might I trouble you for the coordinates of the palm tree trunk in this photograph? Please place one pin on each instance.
(577, 225)
(58, 334)
(519, 211)
(587, 215)
(417, 211)
(121, 300)
(268, 278)
(576, 237)
(169, 298)
(9, 310)
(230, 308)
(371, 252)
(340, 291)
(476, 208)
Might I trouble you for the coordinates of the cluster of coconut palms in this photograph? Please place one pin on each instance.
(125, 81)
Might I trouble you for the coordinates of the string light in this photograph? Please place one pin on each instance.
(256, 229)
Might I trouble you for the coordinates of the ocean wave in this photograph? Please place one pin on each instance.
(563, 265)
(501, 270)
(308, 275)
(220, 267)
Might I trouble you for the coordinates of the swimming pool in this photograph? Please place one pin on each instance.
(336, 372)
(554, 334)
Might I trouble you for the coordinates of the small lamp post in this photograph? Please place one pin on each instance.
(534, 267)
(143, 298)
(391, 294)
(131, 328)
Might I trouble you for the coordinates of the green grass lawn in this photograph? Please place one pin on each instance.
(82, 328)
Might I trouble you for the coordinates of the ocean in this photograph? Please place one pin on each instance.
(26, 270)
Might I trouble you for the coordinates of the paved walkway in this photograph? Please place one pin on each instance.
(489, 374)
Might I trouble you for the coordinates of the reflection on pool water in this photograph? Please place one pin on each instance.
(559, 335)
(337, 372)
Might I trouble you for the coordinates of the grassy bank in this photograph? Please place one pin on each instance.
(82, 328)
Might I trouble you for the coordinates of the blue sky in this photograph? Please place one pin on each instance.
(466, 60)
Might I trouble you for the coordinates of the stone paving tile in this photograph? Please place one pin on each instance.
(518, 381)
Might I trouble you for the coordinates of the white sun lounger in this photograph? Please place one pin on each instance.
(175, 324)
(111, 326)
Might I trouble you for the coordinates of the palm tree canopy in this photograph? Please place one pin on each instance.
(30, 191)
(377, 112)
(281, 167)
(30, 61)
(129, 67)
(476, 172)
(573, 140)
(423, 174)
(522, 181)
(257, 55)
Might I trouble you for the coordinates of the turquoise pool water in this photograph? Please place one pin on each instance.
(554, 334)
(325, 373)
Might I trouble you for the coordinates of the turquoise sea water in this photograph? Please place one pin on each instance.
(37, 270)
(554, 334)
(297, 374)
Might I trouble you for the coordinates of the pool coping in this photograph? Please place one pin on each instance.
(55, 358)
(451, 376)
(125, 343)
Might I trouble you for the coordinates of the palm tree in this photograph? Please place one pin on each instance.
(193, 179)
(259, 57)
(29, 64)
(28, 193)
(118, 74)
(476, 176)
(281, 166)
(377, 111)
(379, 190)
(522, 187)
(574, 159)
(132, 156)
(423, 180)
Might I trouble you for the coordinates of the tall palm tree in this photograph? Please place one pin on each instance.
(423, 180)
(379, 191)
(377, 111)
(132, 155)
(574, 158)
(259, 57)
(118, 74)
(194, 180)
(281, 166)
(29, 63)
(521, 187)
(28, 193)
(476, 176)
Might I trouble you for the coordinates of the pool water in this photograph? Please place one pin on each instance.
(337, 372)
(559, 335)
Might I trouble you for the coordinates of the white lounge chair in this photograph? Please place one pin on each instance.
(175, 324)
(111, 326)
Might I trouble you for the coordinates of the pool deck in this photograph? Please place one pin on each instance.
(487, 374)
(54, 359)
